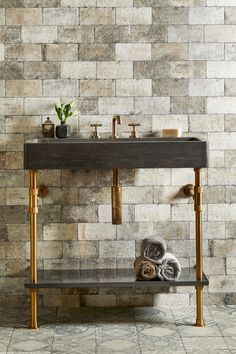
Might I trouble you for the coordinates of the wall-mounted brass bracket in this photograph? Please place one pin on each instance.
(188, 190)
(42, 191)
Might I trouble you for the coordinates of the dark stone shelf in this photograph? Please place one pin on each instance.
(150, 152)
(107, 278)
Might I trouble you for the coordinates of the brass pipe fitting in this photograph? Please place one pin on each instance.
(188, 190)
(116, 198)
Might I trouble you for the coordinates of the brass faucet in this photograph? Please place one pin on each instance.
(116, 190)
(115, 120)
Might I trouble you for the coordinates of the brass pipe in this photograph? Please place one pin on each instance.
(198, 191)
(116, 198)
(33, 210)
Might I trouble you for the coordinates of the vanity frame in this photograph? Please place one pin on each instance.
(113, 278)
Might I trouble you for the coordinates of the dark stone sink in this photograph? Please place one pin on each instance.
(75, 153)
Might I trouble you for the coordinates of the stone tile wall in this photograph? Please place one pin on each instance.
(163, 63)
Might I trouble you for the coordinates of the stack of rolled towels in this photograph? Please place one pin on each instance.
(155, 263)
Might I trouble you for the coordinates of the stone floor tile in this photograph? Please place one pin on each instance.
(212, 343)
(231, 342)
(77, 344)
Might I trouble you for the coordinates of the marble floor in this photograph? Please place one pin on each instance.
(144, 330)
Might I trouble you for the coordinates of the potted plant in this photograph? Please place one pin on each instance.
(64, 111)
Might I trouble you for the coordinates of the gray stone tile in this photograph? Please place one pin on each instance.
(212, 343)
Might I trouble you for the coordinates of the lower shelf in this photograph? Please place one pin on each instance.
(107, 278)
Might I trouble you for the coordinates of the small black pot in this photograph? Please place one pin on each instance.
(63, 131)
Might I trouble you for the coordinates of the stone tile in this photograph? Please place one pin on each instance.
(2, 88)
(220, 33)
(60, 16)
(226, 141)
(2, 49)
(41, 70)
(209, 342)
(34, 341)
(41, 3)
(205, 123)
(87, 105)
(136, 231)
(169, 51)
(134, 87)
(152, 105)
(84, 343)
(221, 69)
(116, 249)
(75, 34)
(95, 195)
(17, 196)
(206, 15)
(221, 212)
(46, 249)
(60, 232)
(97, 52)
(78, 70)
(97, 16)
(217, 158)
(114, 70)
(39, 34)
(23, 52)
(134, 16)
(99, 88)
(230, 51)
(206, 51)
(185, 33)
(149, 33)
(60, 52)
(35, 106)
(10, 34)
(23, 17)
(152, 212)
(82, 213)
(150, 69)
(60, 88)
(187, 70)
(112, 34)
(115, 105)
(11, 71)
(26, 88)
(78, 3)
(187, 105)
(133, 51)
(136, 195)
(2, 16)
(170, 87)
(230, 194)
(114, 3)
(230, 158)
(170, 15)
(93, 231)
(151, 177)
(81, 249)
(173, 230)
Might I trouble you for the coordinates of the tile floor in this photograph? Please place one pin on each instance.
(119, 330)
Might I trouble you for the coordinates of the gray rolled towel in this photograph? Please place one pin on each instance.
(153, 249)
(144, 269)
(170, 268)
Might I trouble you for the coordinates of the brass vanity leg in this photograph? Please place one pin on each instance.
(199, 266)
(33, 210)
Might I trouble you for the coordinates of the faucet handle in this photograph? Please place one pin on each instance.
(95, 133)
(134, 131)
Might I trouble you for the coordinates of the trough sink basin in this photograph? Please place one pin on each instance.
(75, 153)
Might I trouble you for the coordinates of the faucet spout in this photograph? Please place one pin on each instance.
(115, 120)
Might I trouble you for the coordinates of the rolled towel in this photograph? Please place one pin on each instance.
(153, 249)
(144, 269)
(170, 268)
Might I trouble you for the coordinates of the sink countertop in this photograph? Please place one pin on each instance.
(147, 152)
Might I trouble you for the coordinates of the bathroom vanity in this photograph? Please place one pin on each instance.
(113, 154)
